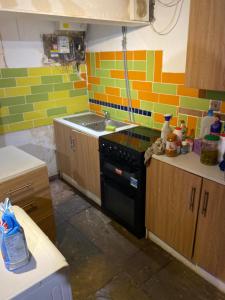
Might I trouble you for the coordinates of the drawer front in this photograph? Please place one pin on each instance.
(25, 185)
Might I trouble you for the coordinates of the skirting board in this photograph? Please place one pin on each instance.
(213, 280)
(82, 190)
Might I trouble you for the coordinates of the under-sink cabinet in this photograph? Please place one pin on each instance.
(31, 192)
(187, 212)
(78, 159)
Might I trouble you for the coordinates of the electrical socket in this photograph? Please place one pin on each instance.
(215, 105)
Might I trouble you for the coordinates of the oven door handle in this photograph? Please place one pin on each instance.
(110, 168)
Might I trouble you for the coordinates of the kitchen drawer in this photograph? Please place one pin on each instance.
(25, 185)
(47, 225)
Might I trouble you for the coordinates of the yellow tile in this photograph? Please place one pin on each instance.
(17, 91)
(58, 95)
(44, 105)
(62, 70)
(28, 81)
(40, 71)
(34, 115)
(4, 129)
(80, 98)
(83, 68)
(4, 111)
(2, 92)
(66, 78)
(77, 107)
(21, 126)
(64, 102)
(42, 122)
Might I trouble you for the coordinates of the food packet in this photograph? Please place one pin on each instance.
(12, 239)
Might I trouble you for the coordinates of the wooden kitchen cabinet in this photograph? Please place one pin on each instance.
(209, 252)
(78, 158)
(31, 192)
(172, 200)
(205, 64)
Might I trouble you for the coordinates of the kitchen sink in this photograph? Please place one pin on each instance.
(94, 122)
(100, 126)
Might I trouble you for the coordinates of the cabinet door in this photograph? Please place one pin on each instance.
(64, 147)
(86, 169)
(172, 201)
(205, 65)
(210, 237)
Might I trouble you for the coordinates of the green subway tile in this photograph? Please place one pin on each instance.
(74, 77)
(122, 115)
(37, 89)
(98, 88)
(157, 126)
(10, 82)
(147, 105)
(90, 95)
(215, 95)
(37, 98)
(78, 92)
(56, 111)
(133, 93)
(120, 83)
(182, 117)
(108, 64)
(9, 101)
(165, 109)
(102, 73)
(16, 109)
(139, 65)
(107, 82)
(143, 120)
(92, 61)
(14, 72)
(161, 88)
(120, 65)
(194, 103)
(63, 86)
(150, 65)
(11, 119)
(52, 79)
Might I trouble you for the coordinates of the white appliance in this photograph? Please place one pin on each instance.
(139, 10)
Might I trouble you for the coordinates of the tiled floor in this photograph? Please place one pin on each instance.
(108, 263)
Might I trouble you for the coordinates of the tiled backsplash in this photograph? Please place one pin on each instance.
(33, 97)
(153, 92)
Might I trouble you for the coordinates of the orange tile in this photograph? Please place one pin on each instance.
(119, 55)
(191, 124)
(148, 96)
(89, 86)
(83, 75)
(88, 62)
(80, 84)
(115, 99)
(94, 80)
(177, 78)
(140, 55)
(117, 74)
(107, 55)
(136, 103)
(158, 66)
(97, 60)
(159, 118)
(125, 101)
(169, 99)
(112, 91)
(142, 85)
(223, 107)
(95, 107)
(184, 91)
(99, 96)
(136, 75)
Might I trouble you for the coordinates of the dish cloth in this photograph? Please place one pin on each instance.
(157, 148)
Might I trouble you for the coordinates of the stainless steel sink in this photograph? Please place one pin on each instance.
(94, 122)
(100, 126)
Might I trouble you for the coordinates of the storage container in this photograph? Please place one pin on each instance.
(209, 151)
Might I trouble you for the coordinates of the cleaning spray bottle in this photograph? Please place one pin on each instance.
(166, 129)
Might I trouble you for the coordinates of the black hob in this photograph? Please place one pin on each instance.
(123, 175)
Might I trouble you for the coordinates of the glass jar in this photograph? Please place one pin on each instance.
(171, 145)
(209, 151)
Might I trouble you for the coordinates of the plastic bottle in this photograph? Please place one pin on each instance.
(166, 129)
(206, 123)
(216, 126)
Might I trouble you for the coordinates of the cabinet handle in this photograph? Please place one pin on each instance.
(71, 143)
(192, 199)
(26, 186)
(205, 204)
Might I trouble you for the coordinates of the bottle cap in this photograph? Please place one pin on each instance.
(212, 137)
(210, 113)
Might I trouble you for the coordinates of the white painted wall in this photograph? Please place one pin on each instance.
(108, 38)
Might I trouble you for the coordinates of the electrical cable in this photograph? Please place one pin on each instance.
(124, 46)
(178, 17)
(3, 51)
